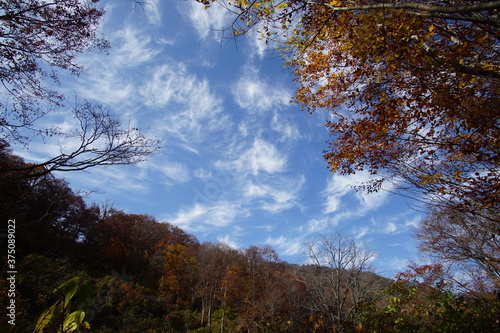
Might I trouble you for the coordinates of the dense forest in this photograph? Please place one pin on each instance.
(82, 268)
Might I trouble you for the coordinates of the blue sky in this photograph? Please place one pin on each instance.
(240, 163)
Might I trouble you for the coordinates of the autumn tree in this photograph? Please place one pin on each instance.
(214, 260)
(37, 39)
(50, 216)
(264, 290)
(132, 242)
(421, 300)
(39, 33)
(179, 276)
(412, 87)
(335, 280)
(469, 242)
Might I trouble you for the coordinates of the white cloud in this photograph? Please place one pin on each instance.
(122, 180)
(167, 83)
(317, 225)
(153, 11)
(213, 20)
(228, 241)
(414, 222)
(360, 232)
(332, 203)
(185, 217)
(176, 171)
(371, 201)
(286, 246)
(108, 88)
(254, 93)
(390, 227)
(200, 217)
(253, 190)
(259, 45)
(192, 112)
(396, 224)
(133, 49)
(266, 228)
(262, 45)
(112, 79)
(278, 195)
(393, 265)
(262, 156)
(288, 131)
(285, 198)
(203, 174)
(339, 187)
(172, 171)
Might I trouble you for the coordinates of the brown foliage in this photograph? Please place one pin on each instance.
(469, 242)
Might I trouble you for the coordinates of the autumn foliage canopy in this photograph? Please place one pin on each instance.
(412, 87)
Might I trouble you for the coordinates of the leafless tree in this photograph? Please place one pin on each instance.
(335, 279)
(97, 139)
(37, 39)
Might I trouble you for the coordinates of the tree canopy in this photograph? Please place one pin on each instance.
(412, 87)
(38, 37)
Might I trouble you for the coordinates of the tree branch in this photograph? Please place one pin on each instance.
(420, 7)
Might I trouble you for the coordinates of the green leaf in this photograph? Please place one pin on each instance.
(47, 317)
(44, 320)
(73, 321)
(389, 309)
(66, 283)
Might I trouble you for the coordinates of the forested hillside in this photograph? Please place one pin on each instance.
(83, 268)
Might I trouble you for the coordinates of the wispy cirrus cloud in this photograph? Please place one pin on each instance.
(200, 217)
(395, 224)
(187, 106)
(339, 187)
(229, 240)
(153, 11)
(317, 225)
(288, 246)
(254, 93)
(275, 195)
(261, 156)
(134, 47)
(287, 129)
(166, 171)
(112, 79)
(112, 180)
(211, 21)
(108, 88)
